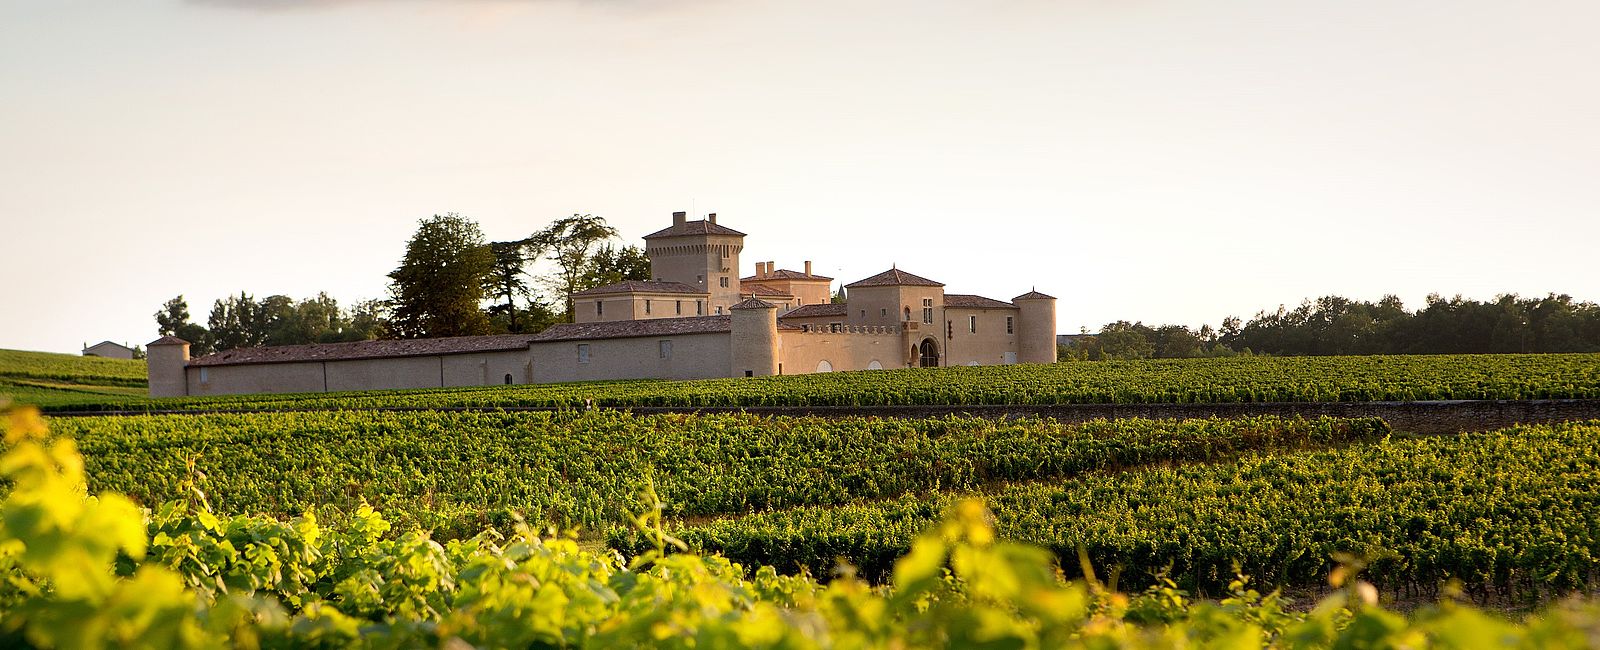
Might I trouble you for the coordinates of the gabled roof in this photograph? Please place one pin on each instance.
(754, 303)
(642, 286)
(818, 311)
(701, 227)
(894, 278)
(762, 290)
(784, 274)
(167, 340)
(621, 329)
(366, 350)
(968, 301)
(91, 347)
(1033, 295)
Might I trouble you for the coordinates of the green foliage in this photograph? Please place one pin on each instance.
(185, 578)
(455, 472)
(1508, 513)
(570, 243)
(439, 285)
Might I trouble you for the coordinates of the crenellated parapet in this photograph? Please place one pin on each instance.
(853, 330)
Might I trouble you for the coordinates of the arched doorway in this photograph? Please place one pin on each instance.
(929, 352)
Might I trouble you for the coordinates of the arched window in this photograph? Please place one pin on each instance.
(508, 379)
(908, 313)
(824, 366)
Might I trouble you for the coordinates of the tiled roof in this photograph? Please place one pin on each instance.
(784, 274)
(622, 329)
(167, 340)
(642, 286)
(1033, 295)
(762, 290)
(701, 227)
(754, 303)
(816, 311)
(893, 278)
(366, 350)
(966, 301)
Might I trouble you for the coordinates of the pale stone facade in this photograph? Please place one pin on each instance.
(695, 319)
(108, 350)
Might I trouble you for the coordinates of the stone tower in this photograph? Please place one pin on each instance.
(755, 339)
(700, 254)
(1036, 328)
(165, 366)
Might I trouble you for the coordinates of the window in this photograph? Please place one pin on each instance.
(508, 379)
(749, 373)
(1010, 325)
(972, 324)
(863, 314)
(927, 311)
(723, 281)
(949, 329)
(203, 377)
(700, 279)
(835, 327)
(665, 348)
(884, 312)
(908, 313)
(599, 308)
(719, 310)
(699, 308)
(680, 308)
(646, 305)
(583, 353)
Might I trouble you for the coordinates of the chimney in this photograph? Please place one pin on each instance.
(678, 218)
(771, 267)
(712, 218)
(761, 269)
(808, 267)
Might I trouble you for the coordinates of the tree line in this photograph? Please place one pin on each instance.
(1334, 325)
(451, 281)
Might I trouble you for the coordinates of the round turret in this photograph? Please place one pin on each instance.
(166, 362)
(1036, 327)
(755, 338)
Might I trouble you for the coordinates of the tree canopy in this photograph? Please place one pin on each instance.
(438, 289)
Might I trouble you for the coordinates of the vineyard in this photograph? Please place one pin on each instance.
(96, 572)
(579, 527)
(457, 472)
(1223, 380)
(49, 379)
(1509, 513)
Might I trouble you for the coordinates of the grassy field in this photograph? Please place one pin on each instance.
(47, 379)
(1231, 380)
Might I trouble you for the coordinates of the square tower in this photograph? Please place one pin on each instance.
(700, 254)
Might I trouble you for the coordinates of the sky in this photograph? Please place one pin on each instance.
(1162, 161)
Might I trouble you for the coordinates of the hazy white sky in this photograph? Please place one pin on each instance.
(1156, 160)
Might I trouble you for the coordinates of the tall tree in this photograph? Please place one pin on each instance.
(238, 322)
(439, 286)
(174, 313)
(611, 264)
(508, 283)
(570, 244)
